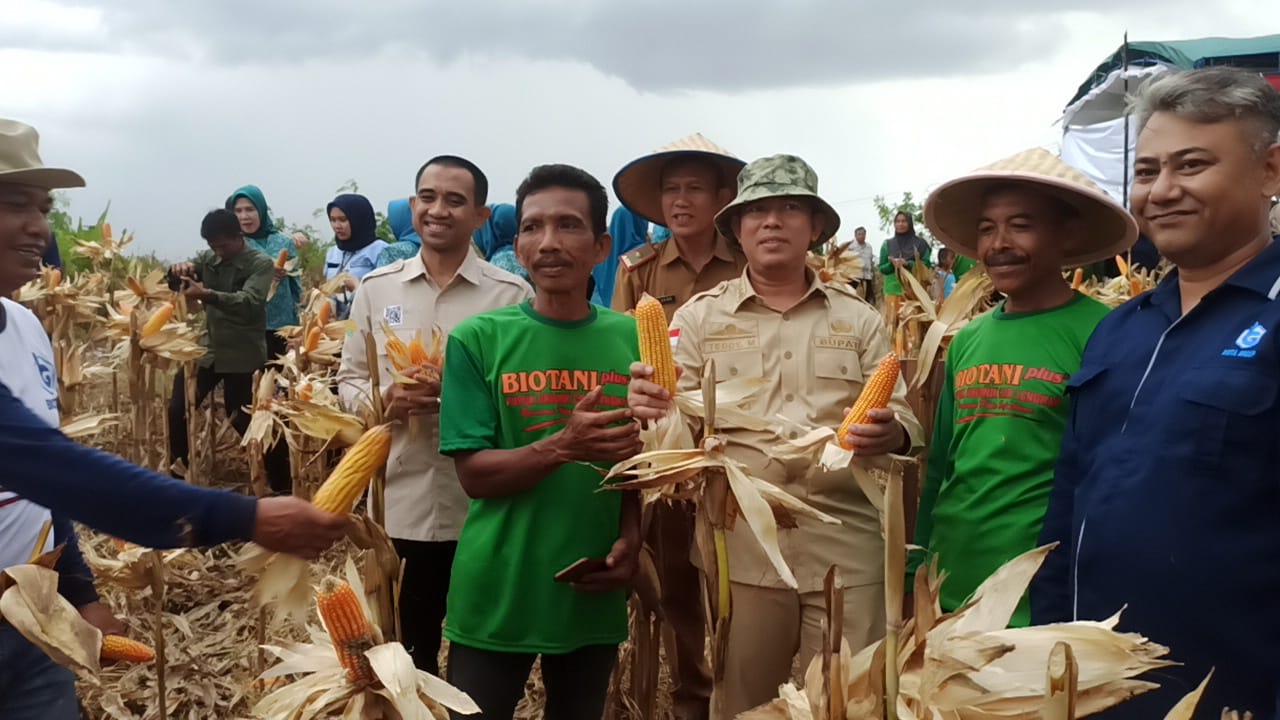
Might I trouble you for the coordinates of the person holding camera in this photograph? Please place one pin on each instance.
(231, 279)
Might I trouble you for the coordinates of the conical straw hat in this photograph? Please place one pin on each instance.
(638, 185)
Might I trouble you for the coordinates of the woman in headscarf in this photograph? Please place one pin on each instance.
(407, 243)
(356, 246)
(629, 231)
(250, 207)
(496, 239)
(901, 250)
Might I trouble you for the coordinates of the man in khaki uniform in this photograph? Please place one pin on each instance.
(681, 186)
(442, 285)
(817, 344)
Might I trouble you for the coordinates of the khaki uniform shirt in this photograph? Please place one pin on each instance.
(658, 269)
(816, 357)
(425, 501)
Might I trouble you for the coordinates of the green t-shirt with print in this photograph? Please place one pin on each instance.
(1001, 414)
(512, 377)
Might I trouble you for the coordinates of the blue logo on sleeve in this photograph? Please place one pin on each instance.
(48, 378)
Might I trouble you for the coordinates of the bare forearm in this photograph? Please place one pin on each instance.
(498, 473)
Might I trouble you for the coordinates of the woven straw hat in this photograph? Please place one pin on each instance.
(1107, 229)
(20, 160)
(638, 184)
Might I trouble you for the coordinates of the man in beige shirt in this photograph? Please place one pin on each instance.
(816, 343)
(442, 285)
(681, 186)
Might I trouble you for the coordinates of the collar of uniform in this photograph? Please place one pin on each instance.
(747, 291)
(1261, 274)
(469, 270)
(670, 251)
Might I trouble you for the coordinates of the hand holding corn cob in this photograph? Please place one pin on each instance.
(869, 427)
(653, 379)
(296, 527)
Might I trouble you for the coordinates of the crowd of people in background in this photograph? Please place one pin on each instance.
(1141, 440)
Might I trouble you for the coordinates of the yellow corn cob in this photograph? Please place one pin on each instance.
(1123, 265)
(655, 342)
(1078, 280)
(157, 320)
(397, 351)
(304, 391)
(1135, 286)
(417, 353)
(135, 287)
(122, 649)
(351, 477)
(55, 277)
(348, 627)
(875, 394)
(313, 340)
(324, 313)
(281, 259)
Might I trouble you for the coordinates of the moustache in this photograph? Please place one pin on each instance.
(1004, 258)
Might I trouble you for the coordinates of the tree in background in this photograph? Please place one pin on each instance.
(908, 205)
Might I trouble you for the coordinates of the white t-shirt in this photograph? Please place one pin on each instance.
(26, 368)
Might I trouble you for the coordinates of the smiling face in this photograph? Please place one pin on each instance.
(1021, 239)
(1200, 190)
(247, 213)
(776, 233)
(444, 210)
(340, 224)
(691, 197)
(555, 242)
(24, 233)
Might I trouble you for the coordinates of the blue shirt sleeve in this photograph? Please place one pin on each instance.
(109, 494)
(75, 579)
(1051, 588)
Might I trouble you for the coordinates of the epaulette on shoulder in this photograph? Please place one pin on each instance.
(395, 266)
(639, 257)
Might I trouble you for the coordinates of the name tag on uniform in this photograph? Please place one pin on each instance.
(667, 299)
(393, 314)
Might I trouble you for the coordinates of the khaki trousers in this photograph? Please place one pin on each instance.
(773, 630)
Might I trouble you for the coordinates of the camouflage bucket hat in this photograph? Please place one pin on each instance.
(779, 176)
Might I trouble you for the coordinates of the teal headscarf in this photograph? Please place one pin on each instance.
(255, 196)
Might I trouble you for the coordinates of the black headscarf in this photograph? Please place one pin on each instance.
(359, 212)
(906, 245)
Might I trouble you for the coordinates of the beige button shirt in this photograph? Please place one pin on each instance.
(658, 269)
(425, 501)
(816, 357)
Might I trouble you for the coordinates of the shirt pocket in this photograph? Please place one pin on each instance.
(1220, 409)
(738, 364)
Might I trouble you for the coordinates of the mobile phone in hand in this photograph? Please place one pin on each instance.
(581, 569)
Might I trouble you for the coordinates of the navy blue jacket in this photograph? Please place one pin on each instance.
(1166, 497)
(109, 494)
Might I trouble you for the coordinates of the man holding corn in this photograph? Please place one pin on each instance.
(435, 289)
(1003, 403)
(816, 344)
(49, 480)
(681, 186)
(1165, 501)
(533, 408)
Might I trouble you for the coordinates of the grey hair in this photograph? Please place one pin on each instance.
(1211, 95)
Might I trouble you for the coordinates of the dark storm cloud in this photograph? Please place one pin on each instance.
(654, 45)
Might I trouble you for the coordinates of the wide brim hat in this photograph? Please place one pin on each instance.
(638, 185)
(20, 160)
(952, 211)
(779, 176)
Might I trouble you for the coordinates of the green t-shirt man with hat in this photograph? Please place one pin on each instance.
(1003, 406)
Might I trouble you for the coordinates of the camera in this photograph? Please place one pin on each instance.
(175, 281)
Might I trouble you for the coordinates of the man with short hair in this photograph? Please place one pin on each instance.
(1003, 403)
(816, 344)
(681, 187)
(1165, 497)
(49, 479)
(533, 411)
(867, 278)
(441, 286)
(231, 279)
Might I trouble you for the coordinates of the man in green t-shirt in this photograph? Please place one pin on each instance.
(1003, 406)
(533, 410)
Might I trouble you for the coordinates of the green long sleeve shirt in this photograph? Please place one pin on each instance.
(892, 285)
(1001, 414)
(236, 312)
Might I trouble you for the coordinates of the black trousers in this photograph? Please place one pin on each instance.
(427, 568)
(276, 345)
(237, 393)
(576, 683)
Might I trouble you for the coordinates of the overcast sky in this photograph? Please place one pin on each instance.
(166, 107)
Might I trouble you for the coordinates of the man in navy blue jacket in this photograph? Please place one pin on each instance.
(1166, 498)
(48, 478)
